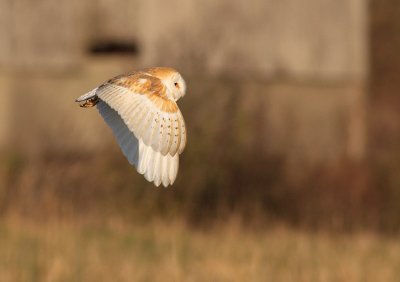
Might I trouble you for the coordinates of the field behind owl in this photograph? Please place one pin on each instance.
(104, 250)
(233, 215)
(292, 165)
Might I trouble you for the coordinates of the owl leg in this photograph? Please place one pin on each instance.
(89, 102)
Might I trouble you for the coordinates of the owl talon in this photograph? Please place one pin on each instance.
(89, 103)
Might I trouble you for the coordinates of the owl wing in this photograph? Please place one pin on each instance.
(148, 126)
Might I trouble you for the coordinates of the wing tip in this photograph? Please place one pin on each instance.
(157, 168)
(87, 96)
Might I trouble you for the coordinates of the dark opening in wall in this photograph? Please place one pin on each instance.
(114, 47)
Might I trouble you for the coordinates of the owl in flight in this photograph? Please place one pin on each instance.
(142, 112)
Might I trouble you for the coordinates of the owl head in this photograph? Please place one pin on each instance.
(172, 79)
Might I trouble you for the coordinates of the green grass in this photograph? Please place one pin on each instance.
(160, 251)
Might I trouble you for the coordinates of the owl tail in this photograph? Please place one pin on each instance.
(88, 100)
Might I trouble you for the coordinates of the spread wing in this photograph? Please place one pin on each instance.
(148, 113)
(148, 126)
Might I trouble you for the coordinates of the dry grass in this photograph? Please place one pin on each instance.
(159, 251)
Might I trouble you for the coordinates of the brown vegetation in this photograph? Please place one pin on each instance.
(162, 250)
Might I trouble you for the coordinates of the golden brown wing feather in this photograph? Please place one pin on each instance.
(142, 103)
(142, 82)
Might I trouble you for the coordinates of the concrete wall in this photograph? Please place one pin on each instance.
(56, 35)
(321, 39)
(324, 39)
(39, 35)
(304, 61)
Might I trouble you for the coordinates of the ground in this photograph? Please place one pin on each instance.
(172, 251)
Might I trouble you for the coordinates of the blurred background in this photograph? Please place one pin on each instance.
(292, 167)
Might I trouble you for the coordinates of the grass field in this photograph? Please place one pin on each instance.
(159, 251)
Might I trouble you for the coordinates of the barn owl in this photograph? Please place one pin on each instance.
(142, 112)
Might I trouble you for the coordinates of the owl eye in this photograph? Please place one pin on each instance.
(176, 85)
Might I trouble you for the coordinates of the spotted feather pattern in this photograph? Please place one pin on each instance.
(148, 126)
(156, 167)
(163, 131)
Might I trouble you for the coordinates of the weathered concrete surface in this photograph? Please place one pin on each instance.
(300, 121)
(294, 71)
(314, 38)
(40, 34)
(6, 109)
(56, 35)
(43, 116)
(324, 39)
